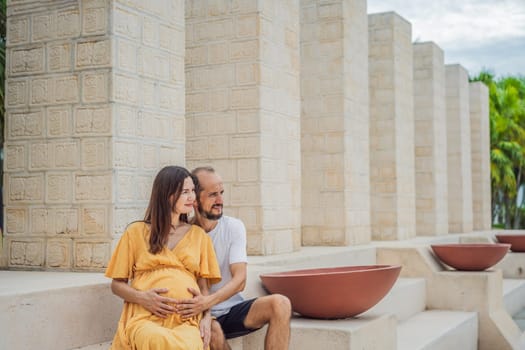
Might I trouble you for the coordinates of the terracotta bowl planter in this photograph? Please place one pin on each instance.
(337, 292)
(470, 257)
(516, 241)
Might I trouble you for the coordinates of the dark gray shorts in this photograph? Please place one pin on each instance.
(232, 323)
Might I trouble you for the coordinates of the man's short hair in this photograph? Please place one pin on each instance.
(199, 169)
(194, 174)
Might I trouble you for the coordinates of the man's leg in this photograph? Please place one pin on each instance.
(276, 311)
(218, 340)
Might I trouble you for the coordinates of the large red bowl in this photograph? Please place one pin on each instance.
(470, 257)
(516, 241)
(336, 292)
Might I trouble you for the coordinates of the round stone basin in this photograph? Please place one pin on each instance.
(516, 241)
(334, 292)
(470, 257)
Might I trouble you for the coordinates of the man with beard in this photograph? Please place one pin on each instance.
(233, 316)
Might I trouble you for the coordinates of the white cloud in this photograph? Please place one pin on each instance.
(476, 22)
(462, 27)
(504, 57)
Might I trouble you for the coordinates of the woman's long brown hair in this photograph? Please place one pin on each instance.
(168, 182)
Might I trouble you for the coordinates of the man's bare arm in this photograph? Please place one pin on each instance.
(199, 303)
(205, 323)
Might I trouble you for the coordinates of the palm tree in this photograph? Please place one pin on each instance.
(507, 144)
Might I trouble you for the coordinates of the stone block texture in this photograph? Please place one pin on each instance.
(334, 123)
(430, 140)
(94, 106)
(458, 150)
(243, 112)
(306, 108)
(480, 151)
(392, 164)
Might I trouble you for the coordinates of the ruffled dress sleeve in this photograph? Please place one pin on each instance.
(122, 261)
(209, 267)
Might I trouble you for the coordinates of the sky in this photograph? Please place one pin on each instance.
(478, 34)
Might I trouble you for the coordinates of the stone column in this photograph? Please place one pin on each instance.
(95, 105)
(334, 124)
(242, 72)
(458, 150)
(392, 171)
(480, 150)
(430, 140)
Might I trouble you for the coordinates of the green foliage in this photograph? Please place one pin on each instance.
(507, 147)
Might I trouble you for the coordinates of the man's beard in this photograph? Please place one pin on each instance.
(209, 215)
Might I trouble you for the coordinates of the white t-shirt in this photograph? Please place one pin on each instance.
(229, 241)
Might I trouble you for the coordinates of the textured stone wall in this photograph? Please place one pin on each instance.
(148, 94)
(480, 150)
(243, 112)
(430, 140)
(392, 172)
(94, 103)
(458, 150)
(334, 124)
(277, 99)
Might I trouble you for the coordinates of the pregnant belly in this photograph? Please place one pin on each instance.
(175, 280)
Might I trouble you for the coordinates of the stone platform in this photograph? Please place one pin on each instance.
(63, 310)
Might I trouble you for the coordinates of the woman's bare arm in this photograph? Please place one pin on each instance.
(151, 299)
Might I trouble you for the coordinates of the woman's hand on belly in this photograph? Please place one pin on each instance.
(159, 305)
(188, 308)
(162, 288)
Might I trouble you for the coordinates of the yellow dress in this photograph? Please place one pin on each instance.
(175, 269)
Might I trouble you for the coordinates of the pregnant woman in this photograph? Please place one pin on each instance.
(155, 263)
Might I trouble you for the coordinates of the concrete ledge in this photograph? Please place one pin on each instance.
(318, 257)
(513, 295)
(101, 346)
(459, 290)
(436, 330)
(406, 298)
(519, 318)
(55, 310)
(356, 333)
(512, 265)
(90, 312)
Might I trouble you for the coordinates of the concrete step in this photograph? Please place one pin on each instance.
(100, 346)
(88, 312)
(55, 310)
(309, 334)
(347, 334)
(514, 295)
(439, 330)
(357, 333)
(514, 301)
(519, 318)
(406, 298)
(429, 330)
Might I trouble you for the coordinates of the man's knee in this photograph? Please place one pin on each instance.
(216, 327)
(274, 308)
(281, 306)
(217, 340)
